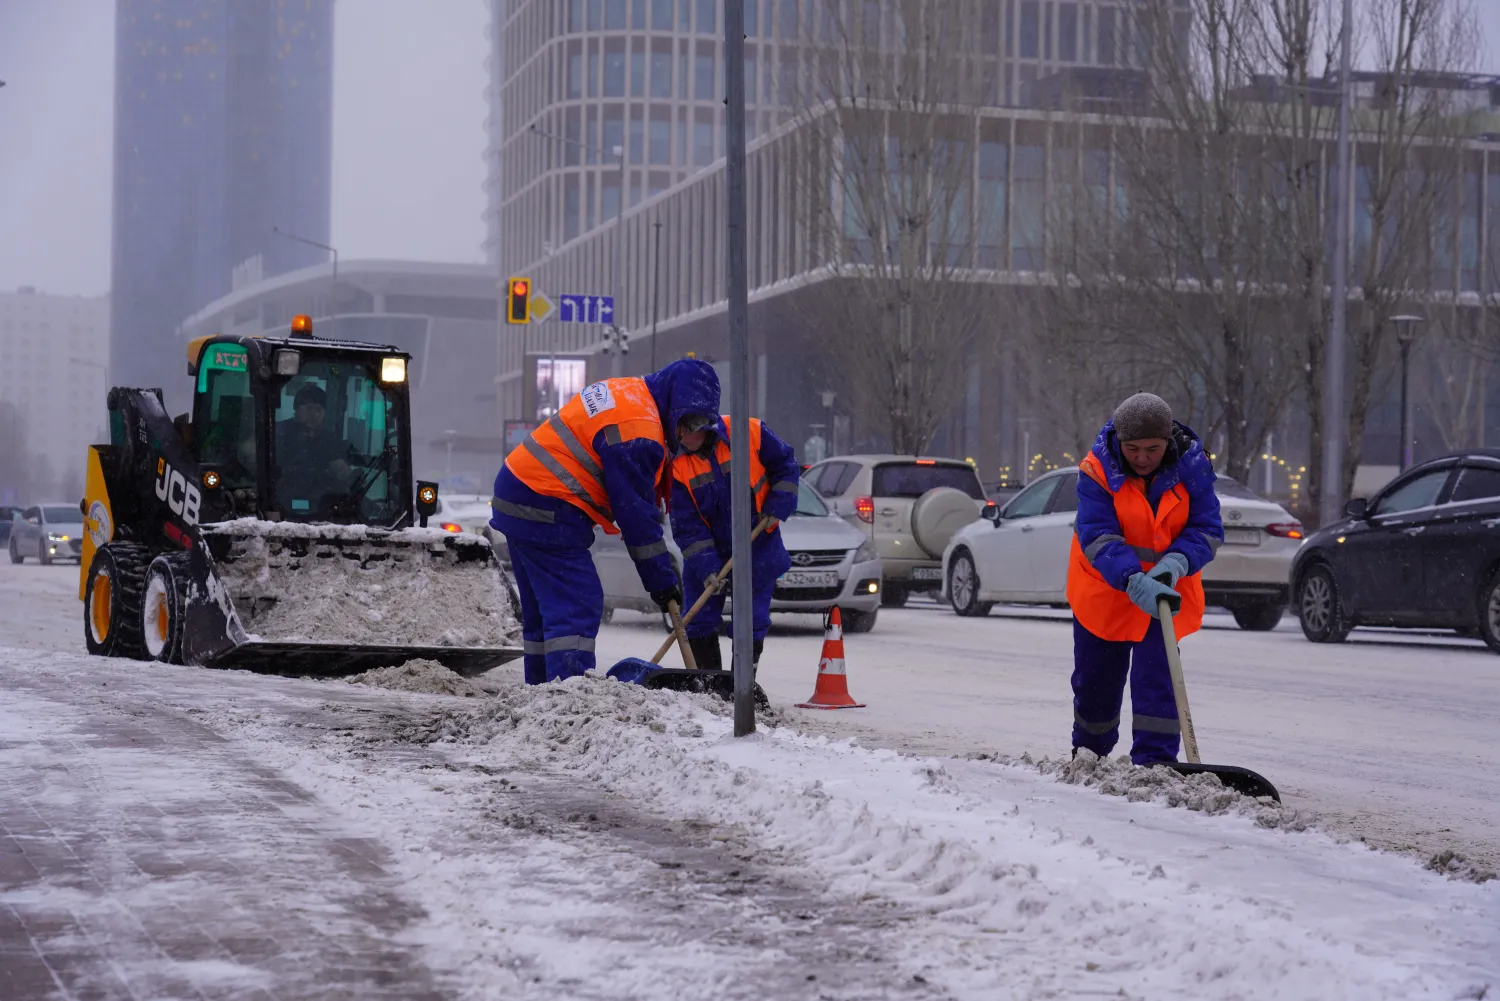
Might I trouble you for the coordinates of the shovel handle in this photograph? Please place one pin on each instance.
(681, 637)
(678, 626)
(1179, 683)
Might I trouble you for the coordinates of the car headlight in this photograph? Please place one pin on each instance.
(54, 537)
(866, 552)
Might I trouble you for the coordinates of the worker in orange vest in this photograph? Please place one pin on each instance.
(600, 460)
(702, 501)
(1148, 522)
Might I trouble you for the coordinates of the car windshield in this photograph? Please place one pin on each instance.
(913, 479)
(1226, 486)
(808, 503)
(336, 447)
(62, 515)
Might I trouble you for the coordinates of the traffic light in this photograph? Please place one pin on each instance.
(518, 301)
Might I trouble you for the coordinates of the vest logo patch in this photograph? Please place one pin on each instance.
(597, 399)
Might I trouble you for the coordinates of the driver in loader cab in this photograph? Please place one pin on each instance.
(1148, 523)
(603, 460)
(702, 499)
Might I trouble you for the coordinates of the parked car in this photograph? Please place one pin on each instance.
(6, 514)
(909, 506)
(1422, 553)
(463, 513)
(47, 532)
(832, 564)
(1019, 554)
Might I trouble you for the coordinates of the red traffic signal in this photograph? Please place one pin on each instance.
(518, 301)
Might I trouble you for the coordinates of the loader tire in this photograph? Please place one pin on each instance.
(112, 601)
(164, 607)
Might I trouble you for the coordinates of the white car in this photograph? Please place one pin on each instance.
(47, 532)
(832, 564)
(1019, 554)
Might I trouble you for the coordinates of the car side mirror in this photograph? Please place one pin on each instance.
(1357, 507)
(991, 513)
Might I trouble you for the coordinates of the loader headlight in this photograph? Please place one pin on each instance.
(211, 480)
(393, 370)
(288, 362)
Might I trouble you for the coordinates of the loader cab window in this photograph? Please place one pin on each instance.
(224, 415)
(336, 444)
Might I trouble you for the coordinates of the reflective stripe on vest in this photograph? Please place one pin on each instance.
(558, 458)
(696, 472)
(1109, 613)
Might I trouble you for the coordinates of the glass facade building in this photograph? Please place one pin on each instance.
(223, 130)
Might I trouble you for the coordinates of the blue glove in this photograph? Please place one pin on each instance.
(1144, 590)
(1170, 569)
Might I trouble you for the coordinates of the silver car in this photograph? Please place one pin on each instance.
(832, 564)
(47, 532)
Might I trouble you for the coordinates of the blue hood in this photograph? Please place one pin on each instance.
(1186, 462)
(684, 389)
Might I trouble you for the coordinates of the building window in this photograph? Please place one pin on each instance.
(703, 143)
(614, 15)
(596, 21)
(703, 75)
(1030, 30)
(614, 129)
(637, 136)
(1027, 235)
(750, 19)
(1107, 36)
(790, 23)
(661, 140)
(661, 15)
(570, 207)
(575, 15)
(706, 23)
(575, 75)
(638, 15)
(614, 69)
(637, 74)
(661, 74)
(1067, 32)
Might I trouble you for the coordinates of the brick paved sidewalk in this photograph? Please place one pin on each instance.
(143, 857)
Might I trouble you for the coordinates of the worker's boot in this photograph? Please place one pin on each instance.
(706, 652)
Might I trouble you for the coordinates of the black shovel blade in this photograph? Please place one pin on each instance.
(1241, 780)
(679, 679)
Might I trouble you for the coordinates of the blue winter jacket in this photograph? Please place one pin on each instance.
(709, 520)
(682, 389)
(1185, 463)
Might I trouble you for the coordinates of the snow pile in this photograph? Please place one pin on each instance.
(1202, 793)
(426, 676)
(374, 594)
(256, 528)
(1005, 902)
(1455, 866)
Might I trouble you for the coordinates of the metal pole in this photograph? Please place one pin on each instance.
(739, 365)
(655, 291)
(1405, 457)
(616, 363)
(1335, 420)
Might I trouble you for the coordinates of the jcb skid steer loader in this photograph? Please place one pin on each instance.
(275, 527)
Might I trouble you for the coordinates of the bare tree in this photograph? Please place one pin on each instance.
(887, 108)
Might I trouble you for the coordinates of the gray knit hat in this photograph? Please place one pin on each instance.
(1144, 415)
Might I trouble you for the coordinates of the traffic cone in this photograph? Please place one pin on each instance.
(832, 690)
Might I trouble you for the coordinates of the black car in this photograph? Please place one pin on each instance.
(1423, 552)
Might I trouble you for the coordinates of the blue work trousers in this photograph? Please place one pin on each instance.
(1100, 668)
(562, 603)
(711, 616)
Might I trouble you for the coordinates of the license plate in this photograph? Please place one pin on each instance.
(1242, 536)
(809, 578)
(927, 573)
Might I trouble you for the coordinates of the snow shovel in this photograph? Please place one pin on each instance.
(1241, 780)
(649, 674)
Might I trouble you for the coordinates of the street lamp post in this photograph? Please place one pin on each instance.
(1335, 418)
(616, 335)
(334, 289)
(655, 291)
(1405, 334)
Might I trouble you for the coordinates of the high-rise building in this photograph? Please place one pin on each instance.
(223, 130)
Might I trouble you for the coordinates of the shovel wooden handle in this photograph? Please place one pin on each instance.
(1179, 683)
(688, 661)
(678, 635)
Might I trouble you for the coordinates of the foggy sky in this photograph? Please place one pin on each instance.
(408, 139)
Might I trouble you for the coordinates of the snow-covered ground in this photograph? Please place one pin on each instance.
(594, 840)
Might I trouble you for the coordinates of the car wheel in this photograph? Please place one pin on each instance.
(1319, 607)
(112, 601)
(1489, 614)
(164, 607)
(1259, 616)
(41, 553)
(894, 595)
(963, 586)
(856, 621)
(15, 554)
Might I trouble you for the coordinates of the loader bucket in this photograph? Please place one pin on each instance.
(338, 599)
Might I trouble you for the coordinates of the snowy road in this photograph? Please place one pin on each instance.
(174, 832)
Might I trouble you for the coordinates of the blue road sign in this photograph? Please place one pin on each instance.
(586, 309)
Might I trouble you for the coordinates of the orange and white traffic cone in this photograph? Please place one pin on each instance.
(832, 690)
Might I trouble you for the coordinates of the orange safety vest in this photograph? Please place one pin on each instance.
(694, 471)
(1109, 613)
(558, 458)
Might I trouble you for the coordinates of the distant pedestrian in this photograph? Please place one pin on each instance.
(1148, 522)
(702, 501)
